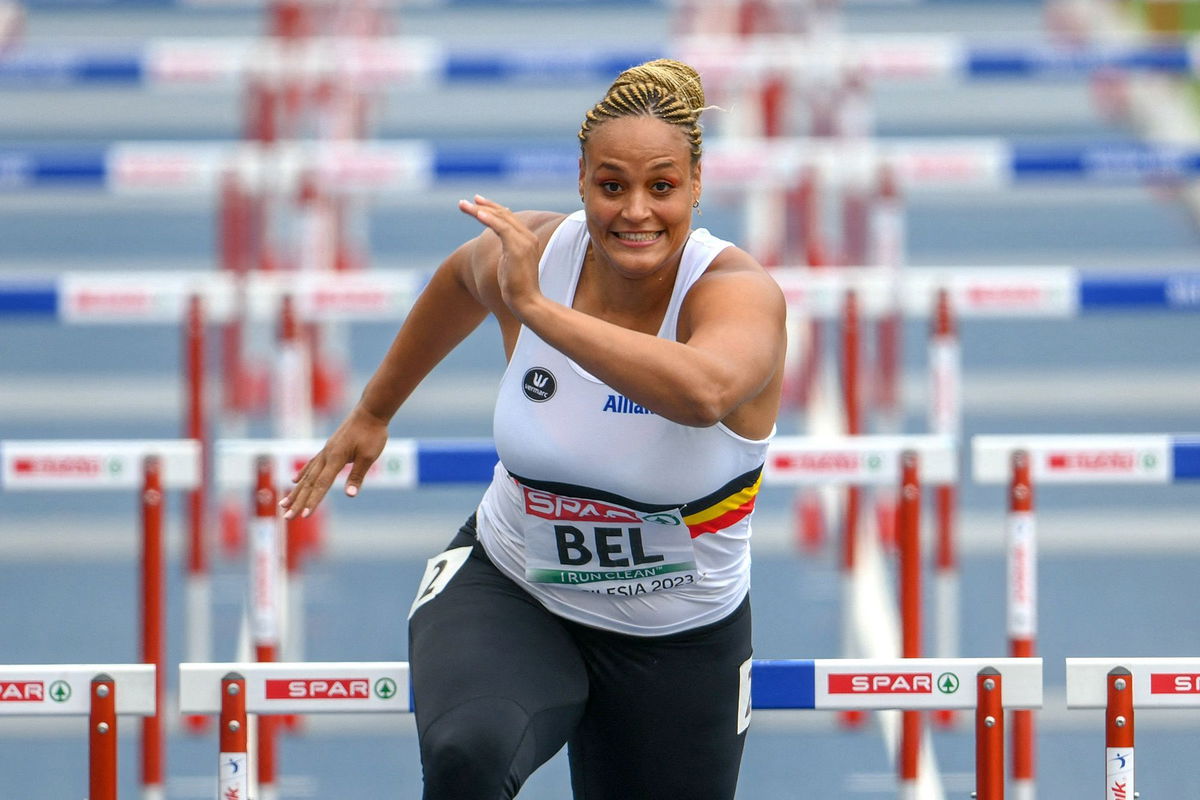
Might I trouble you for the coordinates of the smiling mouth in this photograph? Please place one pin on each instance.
(638, 237)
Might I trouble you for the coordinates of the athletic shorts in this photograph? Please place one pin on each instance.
(501, 684)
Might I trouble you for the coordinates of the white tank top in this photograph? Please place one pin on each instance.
(607, 513)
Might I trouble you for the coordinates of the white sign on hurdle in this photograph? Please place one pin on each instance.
(300, 688)
(396, 467)
(65, 689)
(864, 460)
(1157, 682)
(923, 683)
(906, 683)
(154, 297)
(1076, 459)
(96, 464)
(974, 292)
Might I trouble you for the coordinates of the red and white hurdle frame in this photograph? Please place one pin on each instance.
(988, 686)
(897, 464)
(151, 467)
(100, 692)
(1119, 686)
(1025, 462)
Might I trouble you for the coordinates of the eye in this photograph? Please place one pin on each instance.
(610, 186)
(662, 187)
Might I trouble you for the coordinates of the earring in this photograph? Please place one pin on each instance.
(696, 205)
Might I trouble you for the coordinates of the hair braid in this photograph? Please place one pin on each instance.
(665, 89)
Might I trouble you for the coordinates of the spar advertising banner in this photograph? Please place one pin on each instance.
(913, 683)
(96, 464)
(58, 689)
(1157, 682)
(395, 468)
(300, 688)
(1077, 459)
(863, 460)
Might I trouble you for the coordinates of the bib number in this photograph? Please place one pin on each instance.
(605, 548)
(438, 572)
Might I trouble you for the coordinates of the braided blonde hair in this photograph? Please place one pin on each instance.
(664, 88)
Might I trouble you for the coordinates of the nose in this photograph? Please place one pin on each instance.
(637, 206)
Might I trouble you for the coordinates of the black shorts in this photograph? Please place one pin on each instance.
(501, 684)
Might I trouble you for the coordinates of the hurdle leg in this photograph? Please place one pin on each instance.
(102, 739)
(1022, 612)
(198, 596)
(233, 767)
(153, 649)
(266, 566)
(1118, 736)
(989, 736)
(908, 531)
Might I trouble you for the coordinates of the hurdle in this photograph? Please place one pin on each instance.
(1120, 686)
(151, 467)
(390, 62)
(877, 462)
(1024, 462)
(276, 587)
(100, 692)
(409, 167)
(236, 690)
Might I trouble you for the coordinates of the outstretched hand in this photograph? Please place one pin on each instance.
(358, 441)
(518, 269)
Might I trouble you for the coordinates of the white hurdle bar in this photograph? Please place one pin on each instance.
(235, 690)
(101, 692)
(151, 466)
(150, 297)
(1121, 685)
(412, 167)
(388, 63)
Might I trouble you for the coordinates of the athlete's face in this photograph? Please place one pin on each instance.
(638, 185)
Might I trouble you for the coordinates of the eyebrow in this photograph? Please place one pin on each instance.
(662, 163)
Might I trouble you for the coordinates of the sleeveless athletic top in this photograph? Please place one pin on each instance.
(607, 513)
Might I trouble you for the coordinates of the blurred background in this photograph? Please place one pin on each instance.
(224, 143)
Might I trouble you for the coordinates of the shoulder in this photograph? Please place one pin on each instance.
(734, 268)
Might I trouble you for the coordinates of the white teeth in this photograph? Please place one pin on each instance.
(638, 237)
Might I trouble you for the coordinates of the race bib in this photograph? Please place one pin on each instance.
(602, 547)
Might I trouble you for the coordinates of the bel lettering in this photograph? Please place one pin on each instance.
(611, 547)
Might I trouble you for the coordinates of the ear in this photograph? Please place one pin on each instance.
(697, 184)
(581, 177)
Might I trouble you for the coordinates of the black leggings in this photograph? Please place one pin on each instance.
(500, 684)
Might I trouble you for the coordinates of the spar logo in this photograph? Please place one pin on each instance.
(844, 463)
(1114, 462)
(113, 301)
(66, 466)
(1174, 683)
(983, 296)
(572, 509)
(345, 299)
(882, 683)
(329, 689)
(22, 692)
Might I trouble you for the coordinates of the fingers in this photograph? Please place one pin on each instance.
(489, 212)
(312, 483)
(358, 471)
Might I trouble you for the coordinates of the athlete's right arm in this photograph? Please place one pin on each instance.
(449, 308)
